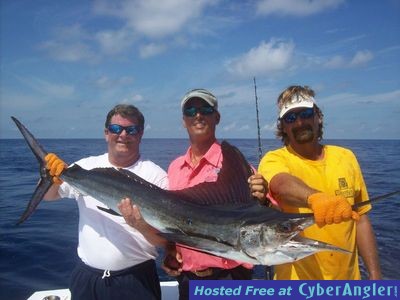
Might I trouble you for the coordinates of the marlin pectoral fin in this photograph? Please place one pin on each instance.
(206, 245)
(109, 211)
(40, 191)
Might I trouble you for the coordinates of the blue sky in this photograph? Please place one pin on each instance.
(65, 64)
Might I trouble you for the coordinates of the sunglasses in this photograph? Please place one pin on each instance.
(291, 117)
(191, 111)
(131, 130)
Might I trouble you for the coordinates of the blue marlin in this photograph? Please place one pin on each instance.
(220, 218)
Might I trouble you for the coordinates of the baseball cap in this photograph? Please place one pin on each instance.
(202, 94)
(298, 100)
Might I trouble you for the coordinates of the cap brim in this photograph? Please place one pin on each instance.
(186, 100)
(201, 94)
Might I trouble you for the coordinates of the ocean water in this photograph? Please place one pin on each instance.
(40, 253)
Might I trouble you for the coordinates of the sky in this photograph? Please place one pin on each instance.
(65, 64)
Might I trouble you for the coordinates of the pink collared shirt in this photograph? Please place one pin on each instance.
(182, 174)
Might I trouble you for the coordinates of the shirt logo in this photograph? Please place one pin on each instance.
(344, 189)
(342, 183)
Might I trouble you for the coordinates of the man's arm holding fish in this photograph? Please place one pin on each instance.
(327, 209)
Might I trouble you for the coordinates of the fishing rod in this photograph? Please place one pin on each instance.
(269, 271)
(374, 199)
(258, 122)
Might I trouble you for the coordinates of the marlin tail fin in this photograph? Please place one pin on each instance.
(45, 178)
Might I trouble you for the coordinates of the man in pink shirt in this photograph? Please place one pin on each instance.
(201, 163)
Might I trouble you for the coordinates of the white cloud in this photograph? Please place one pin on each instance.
(388, 97)
(18, 103)
(229, 127)
(71, 52)
(269, 127)
(154, 18)
(55, 90)
(295, 7)
(141, 22)
(361, 58)
(335, 62)
(70, 44)
(74, 43)
(244, 127)
(114, 41)
(390, 49)
(267, 57)
(135, 98)
(151, 49)
(106, 82)
(52, 90)
(355, 99)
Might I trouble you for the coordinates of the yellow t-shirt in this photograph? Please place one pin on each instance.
(337, 174)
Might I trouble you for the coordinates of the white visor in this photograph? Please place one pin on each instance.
(297, 101)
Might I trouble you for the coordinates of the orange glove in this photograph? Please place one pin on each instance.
(331, 209)
(55, 166)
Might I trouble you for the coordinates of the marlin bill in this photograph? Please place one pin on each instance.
(220, 218)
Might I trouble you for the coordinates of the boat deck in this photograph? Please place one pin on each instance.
(169, 290)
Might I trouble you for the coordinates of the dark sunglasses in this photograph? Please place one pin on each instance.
(131, 130)
(291, 117)
(191, 111)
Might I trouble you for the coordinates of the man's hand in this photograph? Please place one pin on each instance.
(56, 166)
(331, 209)
(133, 217)
(131, 214)
(172, 263)
(258, 187)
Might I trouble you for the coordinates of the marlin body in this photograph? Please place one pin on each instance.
(220, 218)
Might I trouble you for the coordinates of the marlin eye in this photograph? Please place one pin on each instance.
(285, 227)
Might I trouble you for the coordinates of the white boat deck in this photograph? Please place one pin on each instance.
(169, 290)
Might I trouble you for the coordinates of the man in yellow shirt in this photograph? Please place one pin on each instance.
(305, 176)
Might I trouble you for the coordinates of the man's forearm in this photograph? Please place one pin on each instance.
(290, 190)
(151, 235)
(367, 248)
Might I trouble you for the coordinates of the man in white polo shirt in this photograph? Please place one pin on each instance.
(116, 260)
